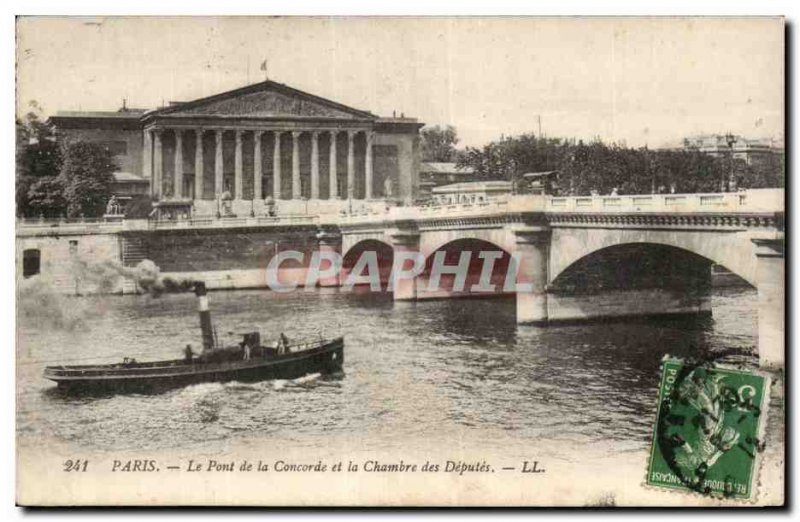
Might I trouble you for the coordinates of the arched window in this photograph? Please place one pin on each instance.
(31, 262)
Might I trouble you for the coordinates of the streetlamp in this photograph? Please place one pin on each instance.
(274, 253)
(731, 140)
(274, 245)
(651, 166)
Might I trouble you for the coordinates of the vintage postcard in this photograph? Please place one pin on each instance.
(376, 261)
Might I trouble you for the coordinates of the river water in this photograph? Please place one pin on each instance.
(436, 372)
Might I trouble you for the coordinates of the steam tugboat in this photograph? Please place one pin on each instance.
(247, 361)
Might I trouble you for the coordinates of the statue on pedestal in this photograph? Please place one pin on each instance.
(387, 187)
(269, 202)
(226, 201)
(112, 207)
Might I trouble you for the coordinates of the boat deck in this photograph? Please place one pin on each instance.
(180, 367)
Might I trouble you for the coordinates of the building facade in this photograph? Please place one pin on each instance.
(261, 146)
(751, 151)
(435, 174)
(471, 192)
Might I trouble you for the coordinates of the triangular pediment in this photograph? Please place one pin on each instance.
(266, 100)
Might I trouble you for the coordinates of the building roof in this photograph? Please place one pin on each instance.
(474, 186)
(134, 114)
(436, 167)
(536, 175)
(266, 99)
(127, 119)
(718, 142)
(127, 177)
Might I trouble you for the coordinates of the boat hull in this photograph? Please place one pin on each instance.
(326, 359)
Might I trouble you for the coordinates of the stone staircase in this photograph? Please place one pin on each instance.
(134, 251)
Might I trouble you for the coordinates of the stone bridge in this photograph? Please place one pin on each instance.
(552, 236)
(579, 257)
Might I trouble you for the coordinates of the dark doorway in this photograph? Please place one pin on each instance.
(31, 262)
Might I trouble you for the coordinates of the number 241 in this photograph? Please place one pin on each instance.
(76, 465)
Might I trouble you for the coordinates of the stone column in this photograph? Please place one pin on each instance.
(198, 164)
(771, 281)
(257, 172)
(351, 167)
(158, 164)
(296, 189)
(237, 168)
(314, 165)
(276, 167)
(405, 246)
(218, 165)
(530, 258)
(177, 191)
(147, 159)
(368, 166)
(333, 182)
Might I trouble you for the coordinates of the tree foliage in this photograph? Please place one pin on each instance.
(45, 197)
(596, 167)
(38, 159)
(86, 176)
(439, 143)
(52, 180)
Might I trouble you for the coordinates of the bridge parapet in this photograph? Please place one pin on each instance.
(510, 205)
(45, 227)
(756, 200)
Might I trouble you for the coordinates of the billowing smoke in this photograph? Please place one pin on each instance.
(50, 303)
(146, 275)
(39, 305)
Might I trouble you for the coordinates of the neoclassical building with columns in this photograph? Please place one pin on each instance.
(259, 144)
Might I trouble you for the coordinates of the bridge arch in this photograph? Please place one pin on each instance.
(636, 266)
(733, 251)
(434, 240)
(384, 254)
(452, 250)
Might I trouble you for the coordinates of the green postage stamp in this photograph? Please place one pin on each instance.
(709, 430)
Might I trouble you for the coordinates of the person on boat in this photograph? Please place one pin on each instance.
(246, 351)
(283, 344)
(188, 353)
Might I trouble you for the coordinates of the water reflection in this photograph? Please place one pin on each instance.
(448, 371)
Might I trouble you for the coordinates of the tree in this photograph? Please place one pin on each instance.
(53, 180)
(86, 176)
(45, 198)
(597, 167)
(38, 159)
(511, 157)
(439, 143)
(764, 171)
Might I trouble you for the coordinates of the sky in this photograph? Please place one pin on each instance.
(641, 81)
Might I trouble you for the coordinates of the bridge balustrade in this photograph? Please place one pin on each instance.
(748, 201)
(758, 200)
(36, 227)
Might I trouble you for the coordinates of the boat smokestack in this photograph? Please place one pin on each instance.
(205, 315)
